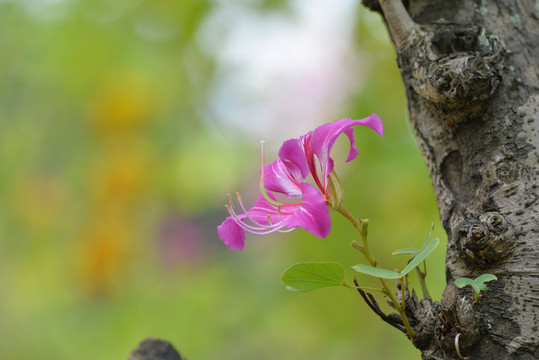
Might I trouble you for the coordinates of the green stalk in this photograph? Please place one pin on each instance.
(421, 275)
(362, 226)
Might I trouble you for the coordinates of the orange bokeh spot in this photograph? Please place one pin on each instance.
(123, 106)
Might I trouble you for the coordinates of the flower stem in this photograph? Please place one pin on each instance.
(362, 227)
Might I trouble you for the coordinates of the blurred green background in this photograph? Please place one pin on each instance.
(124, 124)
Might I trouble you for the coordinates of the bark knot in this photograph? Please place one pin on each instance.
(486, 240)
(456, 69)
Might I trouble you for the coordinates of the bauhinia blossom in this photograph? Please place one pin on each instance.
(298, 158)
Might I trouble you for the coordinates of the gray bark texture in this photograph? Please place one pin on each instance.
(471, 73)
(155, 349)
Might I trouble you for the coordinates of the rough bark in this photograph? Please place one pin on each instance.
(155, 349)
(471, 72)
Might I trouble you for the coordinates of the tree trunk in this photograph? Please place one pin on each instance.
(471, 72)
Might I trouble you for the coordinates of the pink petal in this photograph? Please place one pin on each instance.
(313, 214)
(292, 151)
(374, 122)
(324, 137)
(283, 178)
(262, 211)
(232, 234)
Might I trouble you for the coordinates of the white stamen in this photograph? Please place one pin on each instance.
(258, 229)
(250, 227)
(249, 216)
(254, 230)
(262, 142)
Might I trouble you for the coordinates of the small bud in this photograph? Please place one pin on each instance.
(335, 192)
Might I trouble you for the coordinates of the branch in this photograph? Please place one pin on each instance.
(374, 307)
(399, 22)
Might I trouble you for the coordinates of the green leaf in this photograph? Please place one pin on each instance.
(428, 236)
(412, 250)
(482, 279)
(376, 272)
(478, 284)
(406, 251)
(290, 288)
(311, 276)
(463, 281)
(419, 258)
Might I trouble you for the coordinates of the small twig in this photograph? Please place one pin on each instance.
(375, 304)
(371, 302)
(398, 20)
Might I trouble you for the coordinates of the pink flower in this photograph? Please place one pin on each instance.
(310, 154)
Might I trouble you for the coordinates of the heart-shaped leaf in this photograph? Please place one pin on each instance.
(311, 276)
(481, 279)
(463, 281)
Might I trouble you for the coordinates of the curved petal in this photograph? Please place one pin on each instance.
(293, 151)
(324, 137)
(313, 214)
(374, 122)
(232, 234)
(283, 178)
